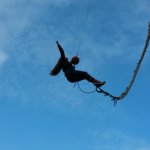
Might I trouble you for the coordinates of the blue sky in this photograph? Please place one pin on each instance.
(38, 111)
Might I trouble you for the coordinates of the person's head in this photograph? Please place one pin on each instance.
(75, 60)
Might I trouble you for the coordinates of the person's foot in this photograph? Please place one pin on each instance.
(99, 84)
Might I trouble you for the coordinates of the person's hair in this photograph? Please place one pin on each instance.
(57, 68)
(75, 60)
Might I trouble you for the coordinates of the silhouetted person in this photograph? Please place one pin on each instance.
(68, 68)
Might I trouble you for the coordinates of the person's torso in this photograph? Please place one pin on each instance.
(67, 66)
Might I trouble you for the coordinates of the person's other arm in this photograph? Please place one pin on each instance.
(61, 50)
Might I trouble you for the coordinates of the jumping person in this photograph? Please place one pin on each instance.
(68, 67)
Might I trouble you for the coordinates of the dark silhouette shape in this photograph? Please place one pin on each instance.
(68, 67)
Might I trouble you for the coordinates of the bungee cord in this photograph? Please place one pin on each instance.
(115, 99)
(87, 92)
(84, 26)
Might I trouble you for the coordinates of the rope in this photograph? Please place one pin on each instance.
(117, 98)
(84, 27)
(87, 92)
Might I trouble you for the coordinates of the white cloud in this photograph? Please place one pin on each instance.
(16, 2)
(143, 6)
(16, 16)
(3, 57)
(144, 148)
(112, 139)
(55, 2)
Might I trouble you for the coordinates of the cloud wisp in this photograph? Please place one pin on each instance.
(113, 139)
(3, 57)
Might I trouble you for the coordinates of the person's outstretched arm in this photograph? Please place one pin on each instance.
(61, 50)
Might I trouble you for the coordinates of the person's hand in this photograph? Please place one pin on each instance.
(57, 42)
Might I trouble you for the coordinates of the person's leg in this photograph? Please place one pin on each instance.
(81, 75)
(77, 75)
